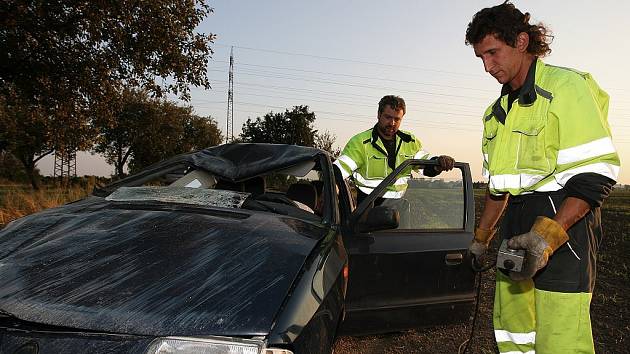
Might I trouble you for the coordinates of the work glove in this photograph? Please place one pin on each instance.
(545, 237)
(479, 245)
(446, 163)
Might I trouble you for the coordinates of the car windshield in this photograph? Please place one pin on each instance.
(182, 195)
(294, 191)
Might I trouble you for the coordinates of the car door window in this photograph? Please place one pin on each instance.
(429, 203)
(433, 202)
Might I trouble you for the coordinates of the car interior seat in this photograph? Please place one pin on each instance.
(303, 193)
(228, 185)
(195, 179)
(255, 186)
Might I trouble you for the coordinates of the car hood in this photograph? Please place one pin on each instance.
(151, 269)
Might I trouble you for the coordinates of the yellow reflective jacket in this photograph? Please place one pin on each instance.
(556, 128)
(365, 159)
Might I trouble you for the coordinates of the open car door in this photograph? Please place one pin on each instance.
(417, 274)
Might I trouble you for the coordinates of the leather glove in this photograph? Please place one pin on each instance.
(545, 237)
(446, 163)
(479, 245)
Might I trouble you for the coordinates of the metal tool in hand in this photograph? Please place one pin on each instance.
(510, 259)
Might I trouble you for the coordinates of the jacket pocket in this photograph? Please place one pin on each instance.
(376, 167)
(490, 128)
(529, 132)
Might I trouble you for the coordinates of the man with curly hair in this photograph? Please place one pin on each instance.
(550, 163)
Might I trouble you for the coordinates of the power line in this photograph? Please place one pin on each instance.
(351, 60)
(289, 76)
(382, 88)
(367, 118)
(295, 89)
(354, 104)
(362, 77)
(348, 114)
(371, 105)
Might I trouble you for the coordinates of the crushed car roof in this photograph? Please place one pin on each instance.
(234, 162)
(240, 161)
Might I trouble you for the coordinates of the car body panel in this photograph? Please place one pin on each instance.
(104, 266)
(113, 274)
(316, 303)
(54, 342)
(395, 273)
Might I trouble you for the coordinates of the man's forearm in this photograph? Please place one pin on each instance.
(571, 211)
(492, 210)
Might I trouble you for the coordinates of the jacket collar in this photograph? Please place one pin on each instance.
(526, 97)
(403, 136)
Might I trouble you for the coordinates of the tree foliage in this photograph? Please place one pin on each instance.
(325, 141)
(145, 130)
(173, 131)
(24, 133)
(58, 49)
(64, 62)
(11, 168)
(294, 126)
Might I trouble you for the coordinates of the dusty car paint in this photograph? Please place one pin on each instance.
(150, 272)
(115, 273)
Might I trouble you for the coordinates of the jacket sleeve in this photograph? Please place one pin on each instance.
(352, 157)
(593, 188)
(580, 108)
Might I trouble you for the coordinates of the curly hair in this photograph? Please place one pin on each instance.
(505, 21)
(395, 102)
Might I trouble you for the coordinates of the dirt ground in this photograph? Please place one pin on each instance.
(610, 309)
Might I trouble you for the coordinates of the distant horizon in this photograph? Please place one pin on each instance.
(341, 58)
(112, 174)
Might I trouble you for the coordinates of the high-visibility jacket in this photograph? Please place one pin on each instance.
(556, 128)
(365, 159)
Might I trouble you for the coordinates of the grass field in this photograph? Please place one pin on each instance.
(20, 200)
(436, 208)
(610, 310)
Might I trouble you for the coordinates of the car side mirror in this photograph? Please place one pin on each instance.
(379, 218)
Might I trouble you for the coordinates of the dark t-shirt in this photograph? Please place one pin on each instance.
(512, 97)
(390, 146)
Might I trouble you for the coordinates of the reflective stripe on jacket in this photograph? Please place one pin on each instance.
(557, 128)
(365, 159)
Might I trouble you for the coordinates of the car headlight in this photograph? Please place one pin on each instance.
(213, 345)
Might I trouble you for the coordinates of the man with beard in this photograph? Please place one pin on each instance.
(372, 155)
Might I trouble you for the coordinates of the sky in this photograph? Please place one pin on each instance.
(341, 57)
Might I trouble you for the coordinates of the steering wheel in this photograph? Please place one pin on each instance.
(276, 198)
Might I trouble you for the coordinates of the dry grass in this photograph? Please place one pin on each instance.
(18, 200)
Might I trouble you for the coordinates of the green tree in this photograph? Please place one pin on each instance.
(325, 141)
(30, 132)
(160, 137)
(25, 132)
(294, 126)
(62, 61)
(146, 130)
(119, 126)
(11, 168)
(88, 48)
(200, 133)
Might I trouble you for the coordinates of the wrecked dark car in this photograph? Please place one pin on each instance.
(240, 248)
